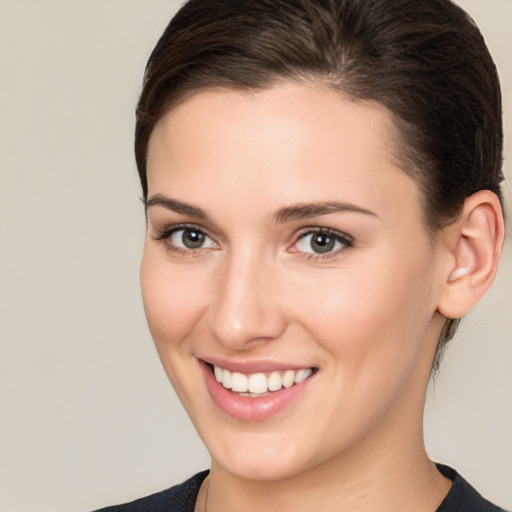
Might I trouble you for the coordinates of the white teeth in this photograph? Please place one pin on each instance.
(302, 375)
(226, 378)
(274, 381)
(288, 379)
(256, 384)
(238, 382)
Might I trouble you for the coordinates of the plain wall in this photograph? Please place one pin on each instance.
(87, 417)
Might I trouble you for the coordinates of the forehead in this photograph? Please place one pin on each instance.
(288, 143)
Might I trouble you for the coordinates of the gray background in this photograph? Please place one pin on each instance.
(87, 416)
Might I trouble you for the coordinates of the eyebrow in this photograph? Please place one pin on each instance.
(308, 210)
(176, 206)
(288, 213)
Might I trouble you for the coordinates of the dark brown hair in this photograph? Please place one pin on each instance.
(424, 60)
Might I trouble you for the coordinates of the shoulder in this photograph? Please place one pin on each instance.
(180, 498)
(462, 497)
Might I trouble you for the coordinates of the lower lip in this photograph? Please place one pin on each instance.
(247, 408)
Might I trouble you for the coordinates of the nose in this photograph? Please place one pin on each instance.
(245, 308)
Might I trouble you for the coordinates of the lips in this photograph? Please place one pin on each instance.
(259, 383)
(256, 395)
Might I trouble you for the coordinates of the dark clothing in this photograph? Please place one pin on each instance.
(462, 497)
(182, 498)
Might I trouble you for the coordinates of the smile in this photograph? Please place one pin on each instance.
(255, 385)
(255, 391)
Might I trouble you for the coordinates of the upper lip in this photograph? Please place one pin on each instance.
(257, 366)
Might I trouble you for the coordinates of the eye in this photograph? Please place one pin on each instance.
(191, 239)
(322, 242)
(186, 239)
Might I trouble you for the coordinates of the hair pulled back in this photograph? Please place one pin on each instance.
(424, 60)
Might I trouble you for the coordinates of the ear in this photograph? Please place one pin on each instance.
(474, 243)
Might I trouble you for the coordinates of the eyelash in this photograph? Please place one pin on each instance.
(166, 234)
(345, 240)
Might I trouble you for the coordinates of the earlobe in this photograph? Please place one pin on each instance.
(475, 242)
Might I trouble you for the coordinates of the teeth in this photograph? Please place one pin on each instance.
(288, 379)
(302, 375)
(256, 384)
(226, 379)
(274, 381)
(238, 382)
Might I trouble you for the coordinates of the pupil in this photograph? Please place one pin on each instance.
(192, 239)
(322, 243)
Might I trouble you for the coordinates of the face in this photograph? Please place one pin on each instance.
(288, 279)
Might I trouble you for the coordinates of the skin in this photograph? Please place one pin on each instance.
(366, 315)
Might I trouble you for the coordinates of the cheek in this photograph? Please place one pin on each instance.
(172, 300)
(372, 331)
(376, 313)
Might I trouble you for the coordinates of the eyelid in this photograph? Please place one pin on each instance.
(168, 230)
(324, 230)
(345, 239)
(164, 235)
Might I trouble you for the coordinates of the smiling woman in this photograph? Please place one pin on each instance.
(322, 189)
(283, 285)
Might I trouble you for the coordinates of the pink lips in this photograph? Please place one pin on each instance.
(247, 408)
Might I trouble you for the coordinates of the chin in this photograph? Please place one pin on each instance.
(259, 458)
(268, 470)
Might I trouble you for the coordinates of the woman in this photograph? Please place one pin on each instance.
(322, 188)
